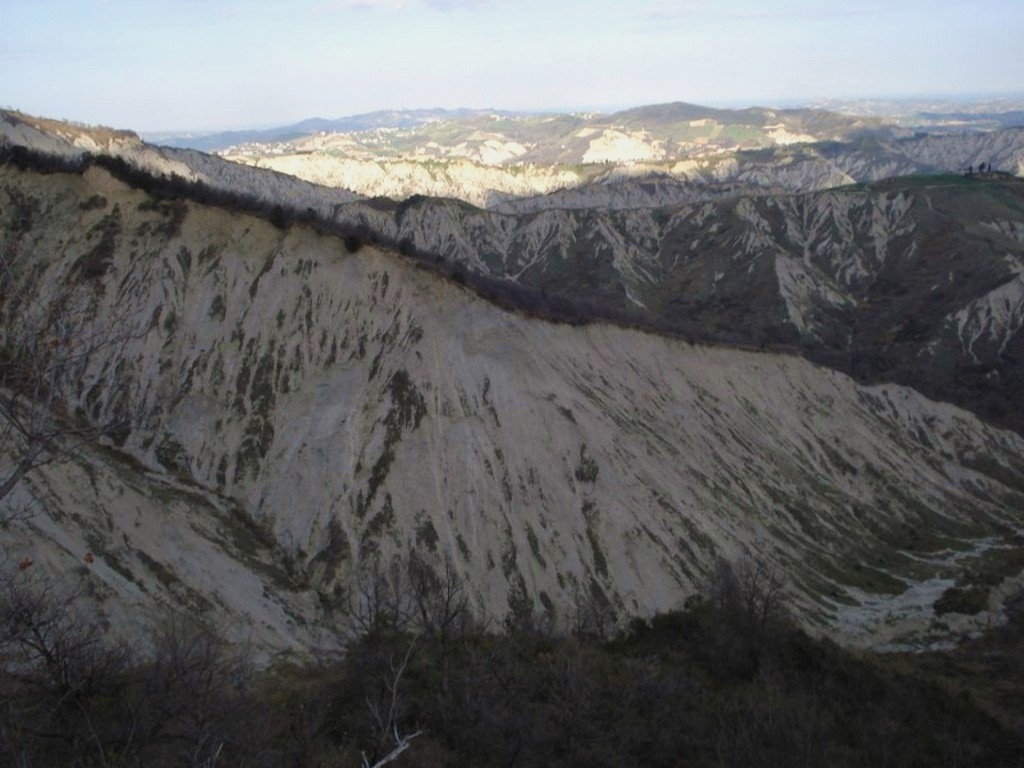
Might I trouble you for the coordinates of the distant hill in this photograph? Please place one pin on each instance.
(389, 118)
(937, 115)
(980, 121)
(821, 123)
(554, 137)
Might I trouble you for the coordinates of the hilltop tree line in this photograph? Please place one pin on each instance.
(865, 362)
(534, 302)
(553, 306)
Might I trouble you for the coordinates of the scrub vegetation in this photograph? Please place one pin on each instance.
(727, 680)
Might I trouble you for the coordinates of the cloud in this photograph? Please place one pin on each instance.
(18, 54)
(676, 9)
(338, 6)
(738, 10)
(451, 5)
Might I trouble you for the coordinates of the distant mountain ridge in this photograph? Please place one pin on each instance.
(556, 127)
(385, 118)
(653, 156)
(635, 184)
(937, 115)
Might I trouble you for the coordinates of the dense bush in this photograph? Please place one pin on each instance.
(71, 697)
(727, 681)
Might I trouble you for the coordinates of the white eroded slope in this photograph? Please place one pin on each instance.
(137, 543)
(211, 170)
(358, 407)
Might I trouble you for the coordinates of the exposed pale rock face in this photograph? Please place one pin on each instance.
(138, 543)
(633, 176)
(996, 317)
(398, 179)
(915, 281)
(214, 171)
(618, 147)
(780, 135)
(353, 407)
(631, 170)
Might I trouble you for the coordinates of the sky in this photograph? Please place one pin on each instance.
(163, 65)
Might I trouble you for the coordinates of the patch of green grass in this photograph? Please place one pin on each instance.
(426, 533)
(463, 547)
(334, 553)
(980, 575)
(163, 574)
(531, 539)
(966, 600)
(586, 469)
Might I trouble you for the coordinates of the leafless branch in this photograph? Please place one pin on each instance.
(381, 600)
(50, 340)
(402, 743)
(386, 710)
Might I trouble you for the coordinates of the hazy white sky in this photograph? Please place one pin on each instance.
(190, 64)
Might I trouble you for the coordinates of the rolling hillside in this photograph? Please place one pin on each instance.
(349, 407)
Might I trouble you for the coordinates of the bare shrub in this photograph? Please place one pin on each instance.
(593, 616)
(380, 602)
(59, 679)
(748, 599)
(71, 695)
(440, 600)
(49, 340)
